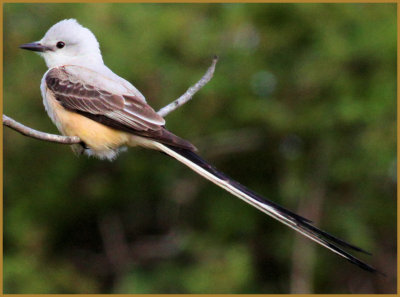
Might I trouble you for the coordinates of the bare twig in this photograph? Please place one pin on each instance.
(13, 124)
(191, 91)
(27, 131)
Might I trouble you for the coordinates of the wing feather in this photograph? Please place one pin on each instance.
(77, 90)
(74, 94)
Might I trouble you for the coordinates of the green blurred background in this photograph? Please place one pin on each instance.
(302, 109)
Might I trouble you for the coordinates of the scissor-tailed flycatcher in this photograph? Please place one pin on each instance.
(84, 98)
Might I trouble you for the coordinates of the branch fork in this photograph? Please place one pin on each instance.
(187, 96)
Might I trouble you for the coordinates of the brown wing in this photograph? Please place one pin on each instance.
(123, 112)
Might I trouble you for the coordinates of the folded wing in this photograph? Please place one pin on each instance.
(100, 101)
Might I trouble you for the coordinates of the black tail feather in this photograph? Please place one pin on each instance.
(303, 225)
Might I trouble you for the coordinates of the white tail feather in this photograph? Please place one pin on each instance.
(270, 210)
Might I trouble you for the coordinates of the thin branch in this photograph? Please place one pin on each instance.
(27, 131)
(13, 124)
(191, 91)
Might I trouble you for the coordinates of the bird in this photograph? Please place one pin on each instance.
(84, 98)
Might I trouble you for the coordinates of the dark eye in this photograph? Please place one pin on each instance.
(60, 44)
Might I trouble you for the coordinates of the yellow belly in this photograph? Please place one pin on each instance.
(94, 135)
(97, 137)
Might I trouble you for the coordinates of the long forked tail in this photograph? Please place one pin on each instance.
(294, 221)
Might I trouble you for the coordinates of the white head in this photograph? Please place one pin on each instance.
(67, 43)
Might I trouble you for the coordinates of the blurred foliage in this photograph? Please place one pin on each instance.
(302, 108)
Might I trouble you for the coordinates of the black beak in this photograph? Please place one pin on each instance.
(34, 46)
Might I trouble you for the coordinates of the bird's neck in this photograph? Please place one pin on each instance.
(89, 61)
